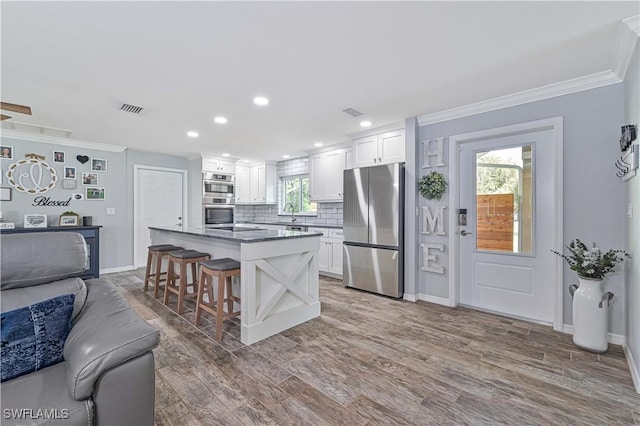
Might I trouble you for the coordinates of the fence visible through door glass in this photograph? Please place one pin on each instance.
(505, 200)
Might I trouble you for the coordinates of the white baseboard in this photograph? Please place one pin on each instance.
(633, 368)
(435, 299)
(616, 339)
(118, 269)
(409, 297)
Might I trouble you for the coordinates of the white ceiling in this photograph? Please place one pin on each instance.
(74, 63)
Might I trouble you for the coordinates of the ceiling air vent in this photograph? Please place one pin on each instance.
(352, 112)
(131, 108)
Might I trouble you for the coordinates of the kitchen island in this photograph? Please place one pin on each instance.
(279, 273)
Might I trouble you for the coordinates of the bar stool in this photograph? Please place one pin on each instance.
(223, 270)
(183, 258)
(157, 253)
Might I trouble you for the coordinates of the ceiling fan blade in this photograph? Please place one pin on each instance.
(22, 109)
(4, 117)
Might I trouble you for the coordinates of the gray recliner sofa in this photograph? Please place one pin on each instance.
(107, 376)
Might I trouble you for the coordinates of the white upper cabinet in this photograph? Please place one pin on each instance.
(217, 165)
(326, 174)
(256, 184)
(379, 149)
(243, 184)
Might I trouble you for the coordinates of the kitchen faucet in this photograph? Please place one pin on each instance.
(293, 208)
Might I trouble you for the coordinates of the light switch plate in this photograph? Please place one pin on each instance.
(629, 210)
(111, 211)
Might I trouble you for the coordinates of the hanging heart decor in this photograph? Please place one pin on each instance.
(82, 158)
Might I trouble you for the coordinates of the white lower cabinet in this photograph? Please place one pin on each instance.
(330, 256)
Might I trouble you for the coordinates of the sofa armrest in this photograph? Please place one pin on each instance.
(107, 333)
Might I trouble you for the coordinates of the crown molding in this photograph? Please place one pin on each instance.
(567, 87)
(633, 23)
(627, 39)
(377, 130)
(345, 144)
(26, 136)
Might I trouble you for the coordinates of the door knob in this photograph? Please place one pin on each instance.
(465, 233)
(179, 224)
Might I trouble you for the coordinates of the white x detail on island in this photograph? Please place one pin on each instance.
(279, 273)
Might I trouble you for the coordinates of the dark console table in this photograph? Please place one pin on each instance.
(91, 235)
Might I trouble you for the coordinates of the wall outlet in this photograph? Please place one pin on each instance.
(111, 211)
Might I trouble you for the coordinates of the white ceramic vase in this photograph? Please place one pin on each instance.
(590, 314)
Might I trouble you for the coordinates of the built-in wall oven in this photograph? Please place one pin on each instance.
(218, 185)
(217, 211)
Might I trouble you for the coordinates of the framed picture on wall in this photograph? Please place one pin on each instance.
(6, 152)
(58, 156)
(69, 172)
(95, 193)
(69, 184)
(90, 179)
(5, 194)
(98, 165)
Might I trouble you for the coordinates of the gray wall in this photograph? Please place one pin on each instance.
(116, 235)
(632, 225)
(594, 207)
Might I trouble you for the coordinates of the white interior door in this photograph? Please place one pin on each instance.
(507, 186)
(159, 201)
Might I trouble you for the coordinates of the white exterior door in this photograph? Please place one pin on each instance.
(159, 201)
(508, 188)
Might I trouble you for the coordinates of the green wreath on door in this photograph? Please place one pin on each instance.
(432, 186)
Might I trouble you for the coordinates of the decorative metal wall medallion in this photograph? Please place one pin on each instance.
(32, 176)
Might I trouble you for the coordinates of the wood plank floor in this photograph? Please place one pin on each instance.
(370, 360)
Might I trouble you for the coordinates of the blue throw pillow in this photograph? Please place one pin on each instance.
(33, 337)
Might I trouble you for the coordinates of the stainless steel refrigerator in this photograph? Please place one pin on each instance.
(373, 222)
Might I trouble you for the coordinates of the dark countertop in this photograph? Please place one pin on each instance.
(256, 236)
(299, 222)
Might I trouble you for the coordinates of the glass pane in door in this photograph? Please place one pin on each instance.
(504, 200)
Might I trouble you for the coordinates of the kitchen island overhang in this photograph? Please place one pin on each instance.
(279, 273)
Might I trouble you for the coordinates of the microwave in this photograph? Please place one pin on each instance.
(218, 185)
(217, 214)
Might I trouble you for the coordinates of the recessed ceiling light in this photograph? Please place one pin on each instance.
(220, 120)
(260, 100)
(365, 123)
(192, 134)
(225, 155)
(285, 156)
(318, 144)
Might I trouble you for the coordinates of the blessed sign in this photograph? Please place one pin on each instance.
(43, 201)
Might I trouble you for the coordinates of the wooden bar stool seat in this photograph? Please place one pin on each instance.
(223, 270)
(156, 254)
(182, 258)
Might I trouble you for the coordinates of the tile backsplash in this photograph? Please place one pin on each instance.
(328, 213)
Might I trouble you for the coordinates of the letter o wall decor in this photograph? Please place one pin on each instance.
(32, 176)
